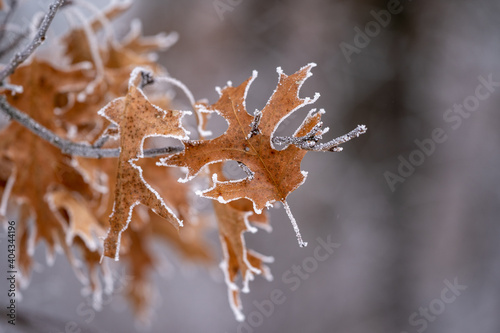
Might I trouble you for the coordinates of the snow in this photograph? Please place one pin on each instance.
(14, 89)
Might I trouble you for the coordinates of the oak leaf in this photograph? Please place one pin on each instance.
(137, 119)
(273, 174)
(30, 157)
(78, 220)
(234, 219)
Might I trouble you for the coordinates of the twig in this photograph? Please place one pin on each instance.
(255, 124)
(309, 142)
(104, 137)
(20, 57)
(73, 148)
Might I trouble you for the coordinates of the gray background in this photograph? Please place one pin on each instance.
(396, 248)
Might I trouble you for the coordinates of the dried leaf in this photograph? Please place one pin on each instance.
(137, 119)
(43, 83)
(188, 240)
(33, 158)
(77, 219)
(234, 219)
(273, 174)
(113, 62)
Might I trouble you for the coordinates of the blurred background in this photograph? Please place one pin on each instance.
(417, 228)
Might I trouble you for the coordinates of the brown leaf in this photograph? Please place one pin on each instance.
(42, 84)
(37, 159)
(234, 219)
(76, 43)
(117, 59)
(188, 240)
(274, 174)
(137, 119)
(77, 219)
(36, 167)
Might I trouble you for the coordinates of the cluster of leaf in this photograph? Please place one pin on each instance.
(65, 201)
(96, 94)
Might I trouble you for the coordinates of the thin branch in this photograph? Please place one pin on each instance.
(20, 57)
(101, 140)
(255, 124)
(310, 141)
(73, 148)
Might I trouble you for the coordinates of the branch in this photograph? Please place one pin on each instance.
(257, 115)
(310, 141)
(101, 141)
(20, 57)
(68, 147)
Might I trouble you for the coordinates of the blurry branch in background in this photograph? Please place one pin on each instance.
(3, 28)
(39, 38)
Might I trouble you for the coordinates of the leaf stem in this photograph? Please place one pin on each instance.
(294, 224)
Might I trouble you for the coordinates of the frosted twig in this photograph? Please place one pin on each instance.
(310, 141)
(104, 137)
(255, 124)
(68, 147)
(20, 57)
(294, 224)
